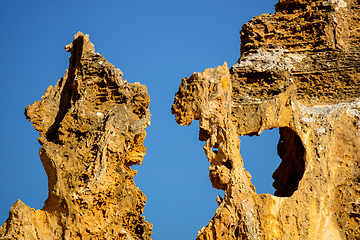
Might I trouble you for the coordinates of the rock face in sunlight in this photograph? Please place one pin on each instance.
(92, 127)
(299, 72)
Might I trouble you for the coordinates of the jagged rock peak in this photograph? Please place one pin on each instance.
(298, 72)
(92, 127)
(82, 42)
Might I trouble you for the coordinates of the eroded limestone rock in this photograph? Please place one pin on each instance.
(299, 72)
(92, 126)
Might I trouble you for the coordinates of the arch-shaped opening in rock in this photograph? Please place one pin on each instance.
(260, 158)
(275, 159)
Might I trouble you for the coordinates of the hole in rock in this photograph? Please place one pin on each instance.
(275, 160)
(215, 150)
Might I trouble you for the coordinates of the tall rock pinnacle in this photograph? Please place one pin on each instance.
(92, 127)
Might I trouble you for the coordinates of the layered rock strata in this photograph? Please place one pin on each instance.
(299, 72)
(92, 127)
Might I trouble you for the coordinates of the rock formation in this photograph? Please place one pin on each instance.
(299, 72)
(92, 126)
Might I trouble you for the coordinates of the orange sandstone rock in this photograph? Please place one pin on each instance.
(299, 72)
(92, 127)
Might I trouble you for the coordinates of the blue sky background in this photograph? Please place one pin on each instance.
(156, 43)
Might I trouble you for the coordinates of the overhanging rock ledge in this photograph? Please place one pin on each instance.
(299, 72)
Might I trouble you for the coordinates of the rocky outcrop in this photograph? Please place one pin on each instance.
(92, 127)
(299, 72)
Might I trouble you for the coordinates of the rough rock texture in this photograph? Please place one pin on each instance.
(299, 72)
(92, 127)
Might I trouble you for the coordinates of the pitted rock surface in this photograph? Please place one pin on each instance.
(298, 72)
(92, 127)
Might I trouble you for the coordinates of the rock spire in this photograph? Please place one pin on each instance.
(92, 127)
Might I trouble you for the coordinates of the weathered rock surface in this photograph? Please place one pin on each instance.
(299, 72)
(92, 126)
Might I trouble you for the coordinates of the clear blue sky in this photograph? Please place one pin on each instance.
(156, 43)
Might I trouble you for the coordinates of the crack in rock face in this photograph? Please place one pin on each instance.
(299, 72)
(92, 127)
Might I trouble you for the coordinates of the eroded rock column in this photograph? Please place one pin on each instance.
(92, 127)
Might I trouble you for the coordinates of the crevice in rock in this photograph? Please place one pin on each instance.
(67, 93)
(203, 135)
(227, 164)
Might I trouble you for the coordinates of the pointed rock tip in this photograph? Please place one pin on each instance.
(82, 40)
(18, 204)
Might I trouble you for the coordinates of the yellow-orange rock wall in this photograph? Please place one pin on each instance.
(299, 72)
